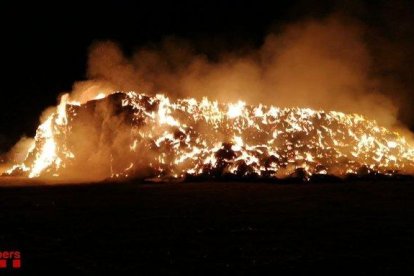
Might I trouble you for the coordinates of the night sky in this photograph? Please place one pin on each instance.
(45, 46)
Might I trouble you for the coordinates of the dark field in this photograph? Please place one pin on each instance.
(211, 228)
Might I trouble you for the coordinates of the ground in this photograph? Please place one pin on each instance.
(210, 227)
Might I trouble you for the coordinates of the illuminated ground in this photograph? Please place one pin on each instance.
(211, 227)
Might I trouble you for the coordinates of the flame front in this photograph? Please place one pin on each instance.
(174, 139)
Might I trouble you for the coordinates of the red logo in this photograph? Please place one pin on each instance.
(12, 258)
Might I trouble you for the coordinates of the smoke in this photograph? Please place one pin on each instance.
(322, 64)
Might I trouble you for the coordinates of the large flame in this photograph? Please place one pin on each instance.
(174, 139)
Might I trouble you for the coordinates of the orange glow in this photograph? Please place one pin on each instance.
(173, 139)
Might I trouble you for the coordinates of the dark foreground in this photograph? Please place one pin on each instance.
(206, 228)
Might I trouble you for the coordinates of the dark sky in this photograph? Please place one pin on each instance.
(45, 45)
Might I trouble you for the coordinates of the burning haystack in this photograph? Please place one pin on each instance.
(136, 135)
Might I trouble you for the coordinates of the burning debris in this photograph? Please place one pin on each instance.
(136, 135)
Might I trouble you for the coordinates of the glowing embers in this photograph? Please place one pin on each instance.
(136, 135)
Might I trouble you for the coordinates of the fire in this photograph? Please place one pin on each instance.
(161, 138)
(235, 110)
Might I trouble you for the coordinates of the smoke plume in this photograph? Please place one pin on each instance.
(322, 64)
